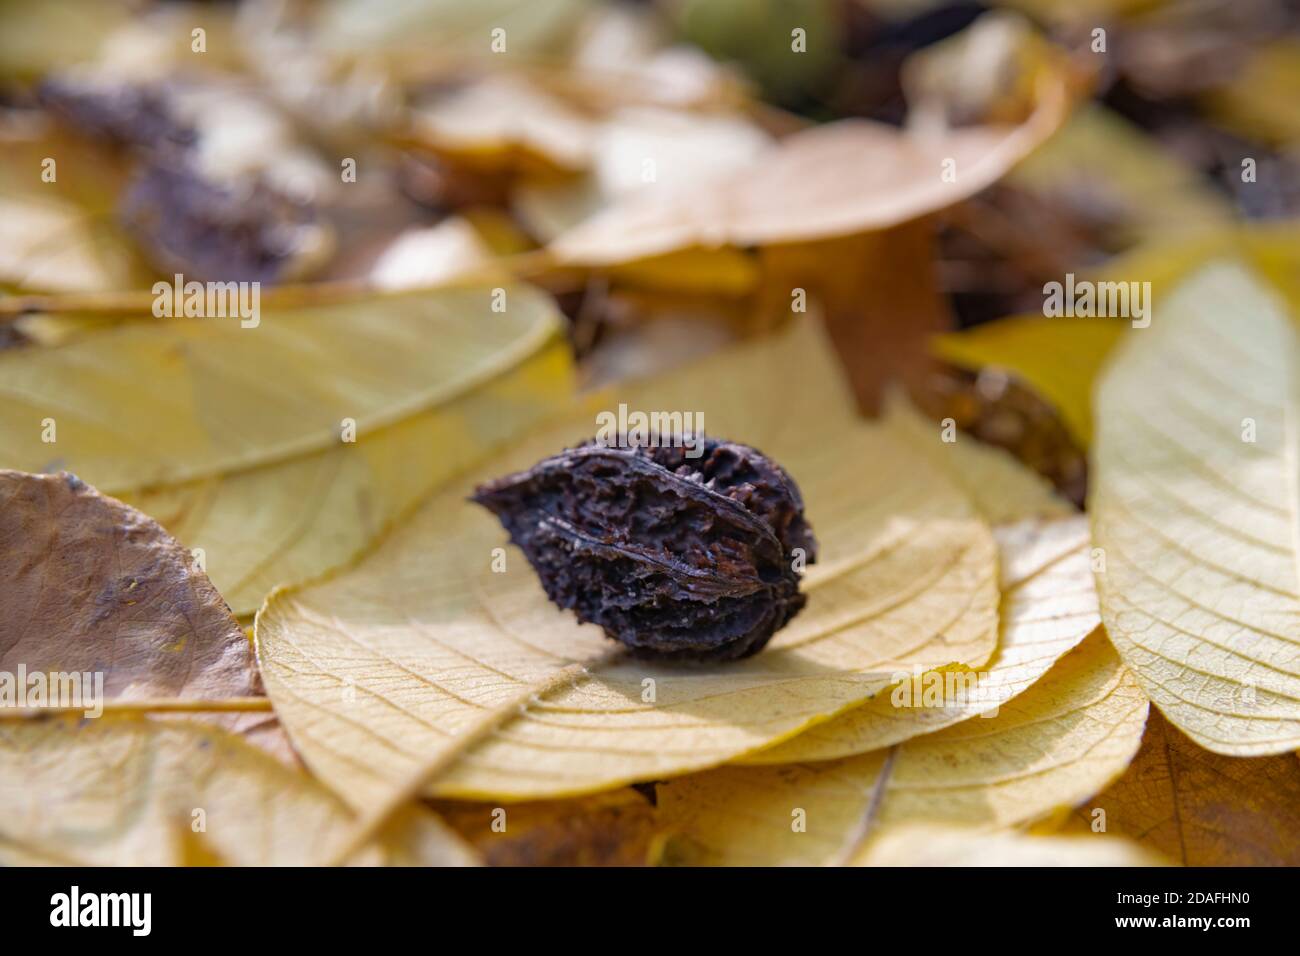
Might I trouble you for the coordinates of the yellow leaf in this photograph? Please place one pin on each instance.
(1053, 746)
(40, 37)
(446, 379)
(59, 229)
(1058, 358)
(1049, 605)
(1194, 504)
(956, 846)
(475, 678)
(1272, 248)
(133, 792)
(1001, 488)
(1262, 101)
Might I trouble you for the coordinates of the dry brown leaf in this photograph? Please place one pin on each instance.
(1200, 808)
(879, 297)
(92, 585)
(618, 828)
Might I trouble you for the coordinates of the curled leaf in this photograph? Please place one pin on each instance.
(796, 191)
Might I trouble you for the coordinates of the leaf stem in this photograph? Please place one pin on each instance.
(145, 706)
(853, 845)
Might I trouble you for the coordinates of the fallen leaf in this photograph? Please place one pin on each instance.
(93, 587)
(879, 295)
(1001, 488)
(134, 792)
(1049, 605)
(196, 398)
(1194, 506)
(1058, 357)
(1053, 746)
(457, 378)
(1200, 808)
(503, 122)
(608, 829)
(48, 36)
(473, 680)
(955, 846)
(796, 191)
(58, 223)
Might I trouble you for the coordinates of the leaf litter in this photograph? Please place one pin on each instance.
(839, 259)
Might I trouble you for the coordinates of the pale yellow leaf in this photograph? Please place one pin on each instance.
(955, 846)
(134, 792)
(1049, 605)
(1051, 747)
(1194, 502)
(423, 657)
(496, 117)
(39, 37)
(1001, 488)
(839, 179)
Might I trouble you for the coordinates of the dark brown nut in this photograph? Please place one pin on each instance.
(676, 557)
